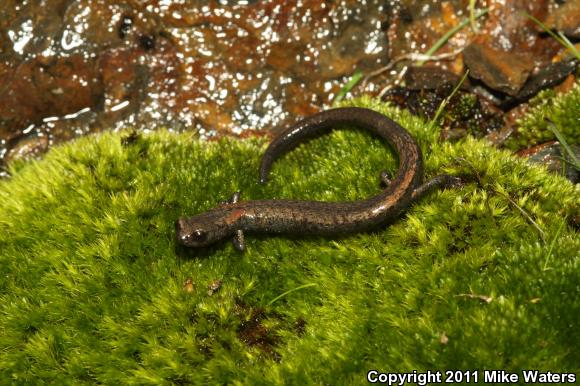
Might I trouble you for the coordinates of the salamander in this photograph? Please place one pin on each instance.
(236, 216)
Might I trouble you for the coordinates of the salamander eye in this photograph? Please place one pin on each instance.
(199, 235)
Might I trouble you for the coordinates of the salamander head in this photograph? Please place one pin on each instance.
(205, 228)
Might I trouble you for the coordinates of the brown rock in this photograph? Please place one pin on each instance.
(566, 19)
(48, 87)
(429, 77)
(500, 70)
(27, 146)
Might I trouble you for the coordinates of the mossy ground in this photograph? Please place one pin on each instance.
(548, 106)
(93, 288)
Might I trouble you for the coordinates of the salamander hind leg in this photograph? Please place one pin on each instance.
(439, 181)
(235, 198)
(232, 200)
(386, 178)
(239, 241)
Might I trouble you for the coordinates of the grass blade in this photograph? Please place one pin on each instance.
(552, 127)
(289, 292)
(563, 40)
(354, 79)
(450, 33)
(446, 100)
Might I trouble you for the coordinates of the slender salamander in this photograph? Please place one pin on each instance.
(232, 218)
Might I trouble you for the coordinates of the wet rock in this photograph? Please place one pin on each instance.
(500, 70)
(465, 113)
(125, 25)
(549, 76)
(566, 18)
(415, 26)
(212, 66)
(508, 28)
(510, 48)
(225, 66)
(430, 78)
(555, 158)
(343, 55)
(26, 146)
(47, 87)
(280, 52)
(123, 80)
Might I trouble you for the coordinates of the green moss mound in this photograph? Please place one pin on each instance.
(561, 109)
(93, 288)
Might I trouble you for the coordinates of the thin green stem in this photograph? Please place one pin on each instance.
(563, 40)
(556, 236)
(472, 16)
(354, 79)
(446, 100)
(552, 127)
(290, 291)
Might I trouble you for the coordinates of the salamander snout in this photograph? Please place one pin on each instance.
(189, 235)
(205, 228)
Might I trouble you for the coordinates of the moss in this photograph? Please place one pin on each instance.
(94, 289)
(562, 109)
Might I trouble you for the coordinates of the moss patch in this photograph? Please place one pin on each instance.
(93, 288)
(563, 110)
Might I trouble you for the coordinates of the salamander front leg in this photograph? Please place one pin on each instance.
(238, 240)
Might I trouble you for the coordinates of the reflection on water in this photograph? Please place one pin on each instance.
(70, 68)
